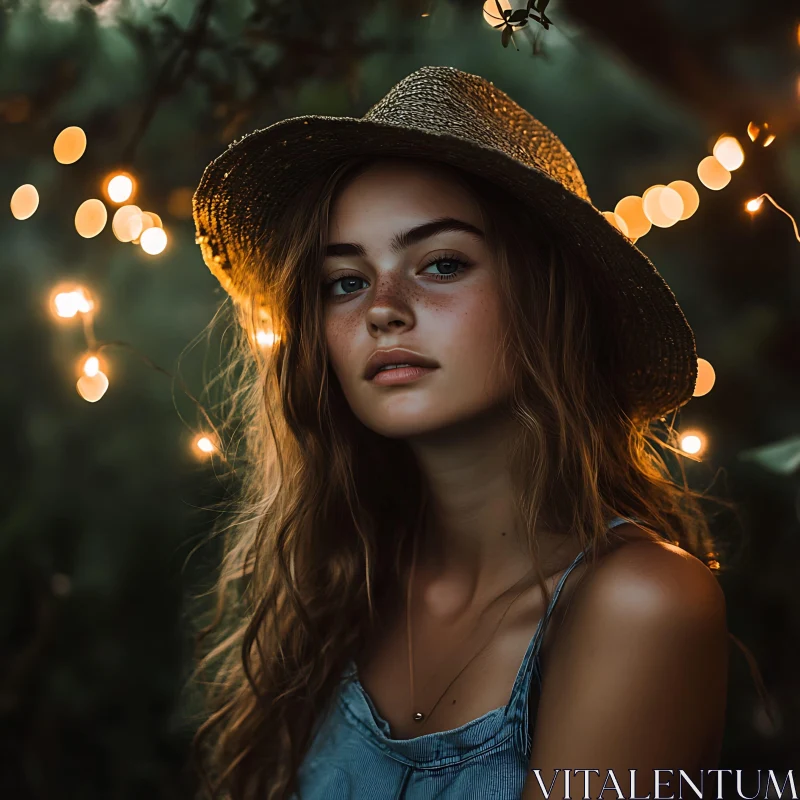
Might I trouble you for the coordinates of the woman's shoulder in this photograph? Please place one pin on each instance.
(644, 583)
(647, 575)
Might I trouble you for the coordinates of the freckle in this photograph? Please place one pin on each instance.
(503, 533)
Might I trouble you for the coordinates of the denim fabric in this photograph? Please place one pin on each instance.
(354, 757)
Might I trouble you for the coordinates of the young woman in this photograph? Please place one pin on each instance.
(461, 567)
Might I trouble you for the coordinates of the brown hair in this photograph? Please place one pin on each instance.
(315, 544)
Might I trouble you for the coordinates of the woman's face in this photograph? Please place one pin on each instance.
(401, 288)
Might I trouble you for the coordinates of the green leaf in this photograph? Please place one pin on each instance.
(506, 35)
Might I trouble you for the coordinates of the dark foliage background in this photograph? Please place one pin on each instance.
(102, 503)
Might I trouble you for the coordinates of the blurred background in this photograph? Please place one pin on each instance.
(111, 471)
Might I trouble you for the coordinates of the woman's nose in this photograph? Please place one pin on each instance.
(389, 313)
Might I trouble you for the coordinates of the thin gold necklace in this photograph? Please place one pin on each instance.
(419, 716)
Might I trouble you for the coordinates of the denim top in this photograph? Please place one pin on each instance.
(353, 756)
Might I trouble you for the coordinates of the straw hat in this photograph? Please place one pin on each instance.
(463, 120)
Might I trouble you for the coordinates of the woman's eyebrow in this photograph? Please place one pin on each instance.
(412, 236)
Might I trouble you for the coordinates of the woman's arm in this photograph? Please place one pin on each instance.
(635, 679)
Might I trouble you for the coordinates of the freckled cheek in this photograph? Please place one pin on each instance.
(340, 334)
(468, 331)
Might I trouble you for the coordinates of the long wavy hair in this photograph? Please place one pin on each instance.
(315, 543)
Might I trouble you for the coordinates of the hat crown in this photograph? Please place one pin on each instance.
(445, 100)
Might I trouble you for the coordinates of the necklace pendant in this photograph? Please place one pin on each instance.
(419, 716)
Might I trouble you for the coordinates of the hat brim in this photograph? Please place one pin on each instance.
(244, 190)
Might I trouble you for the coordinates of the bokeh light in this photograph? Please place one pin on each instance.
(705, 378)
(689, 195)
(712, 174)
(490, 15)
(630, 208)
(127, 223)
(662, 206)
(153, 241)
(24, 201)
(92, 387)
(728, 152)
(693, 442)
(90, 218)
(617, 221)
(67, 301)
(119, 187)
(69, 145)
(204, 445)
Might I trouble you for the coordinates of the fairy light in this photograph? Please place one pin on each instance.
(689, 195)
(712, 174)
(266, 338)
(90, 218)
(706, 378)
(662, 206)
(490, 14)
(24, 201)
(153, 241)
(119, 187)
(693, 443)
(69, 302)
(69, 145)
(631, 210)
(204, 445)
(127, 223)
(753, 130)
(92, 387)
(91, 366)
(617, 221)
(755, 204)
(769, 140)
(729, 152)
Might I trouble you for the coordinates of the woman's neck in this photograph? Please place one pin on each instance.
(473, 542)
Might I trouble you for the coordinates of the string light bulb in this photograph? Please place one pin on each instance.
(693, 442)
(689, 195)
(713, 174)
(631, 210)
(24, 201)
(662, 206)
(67, 302)
(266, 338)
(705, 378)
(90, 218)
(91, 365)
(204, 445)
(617, 222)
(92, 387)
(69, 145)
(127, 223)
(153, 240)
(119, 187)
(729, 152)
(754, 205)
(490, 14)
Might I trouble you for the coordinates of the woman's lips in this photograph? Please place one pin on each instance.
(398, 375)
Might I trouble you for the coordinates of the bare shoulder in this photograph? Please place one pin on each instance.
(650, 581)
(646, 585)
(637, 672)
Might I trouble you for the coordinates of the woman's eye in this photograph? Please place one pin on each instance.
(445, 267)
(347, 285)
